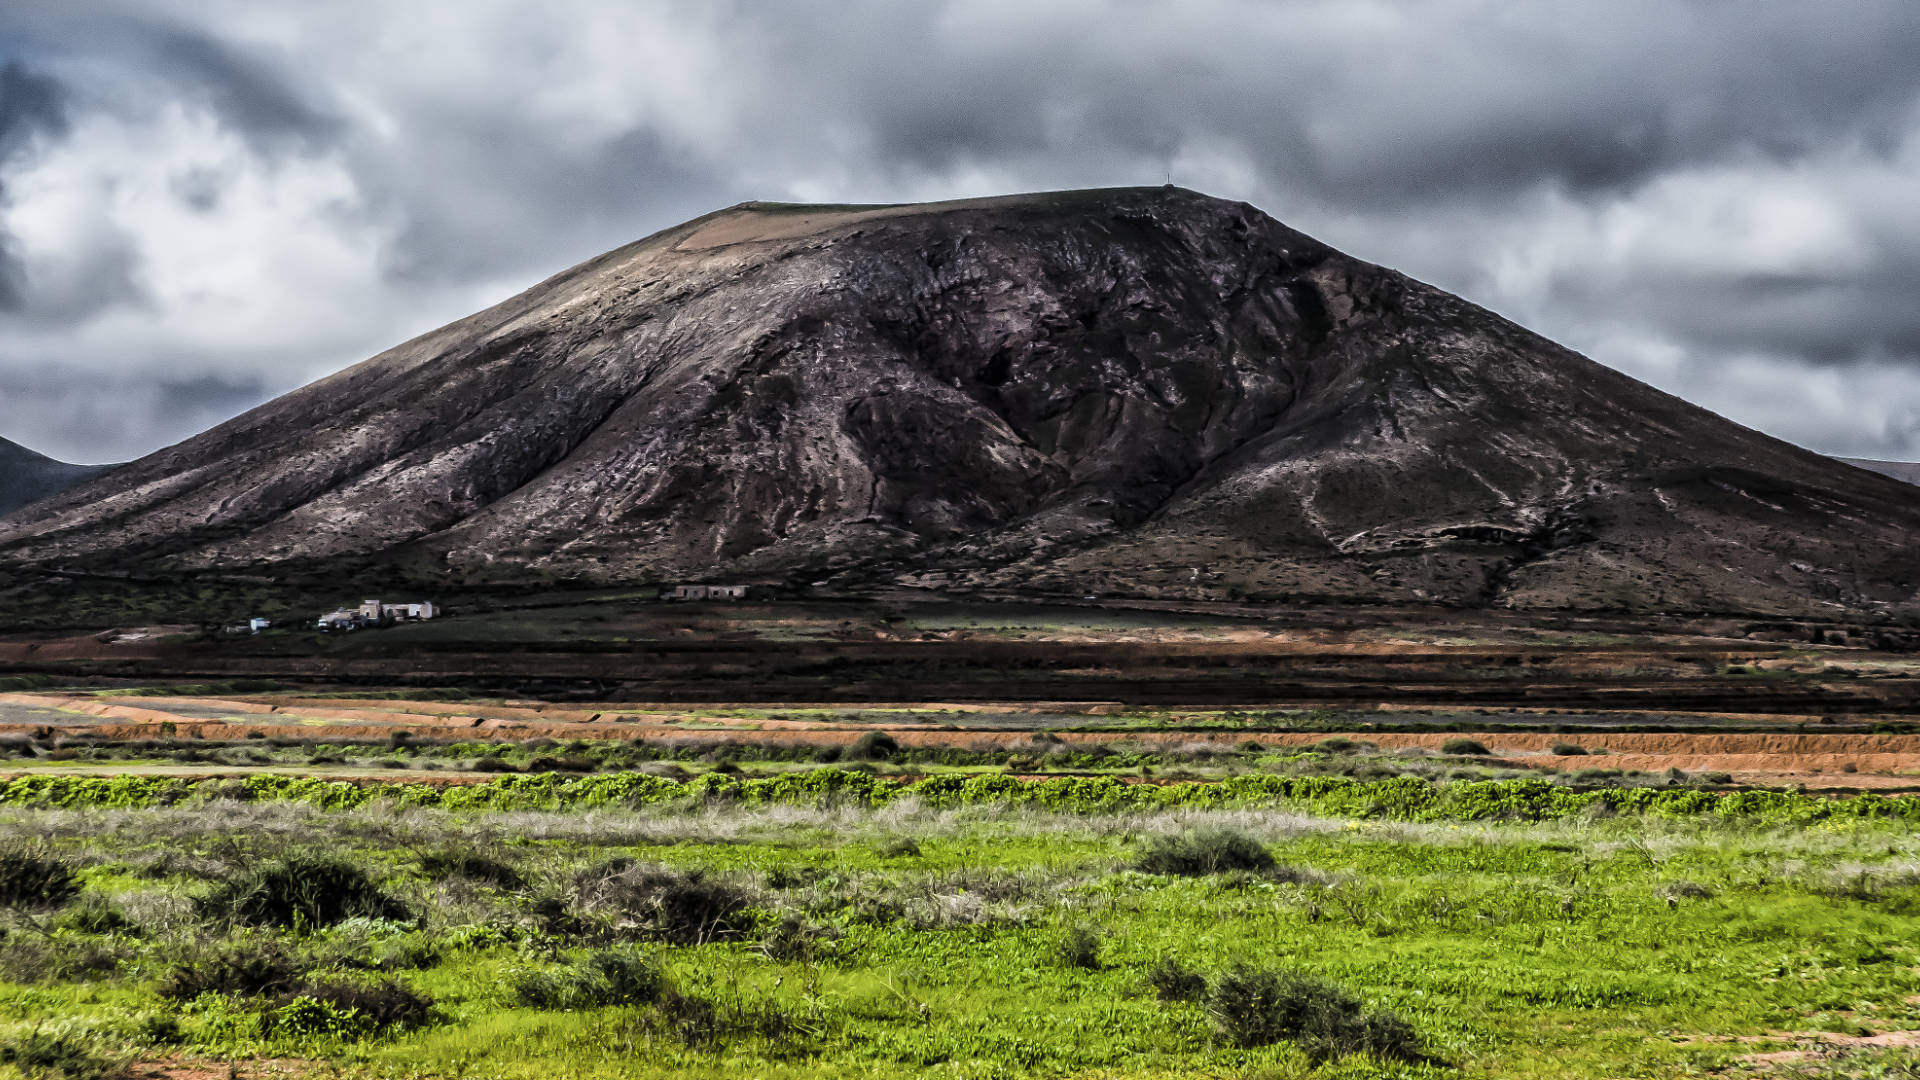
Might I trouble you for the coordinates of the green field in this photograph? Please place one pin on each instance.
(708, 930)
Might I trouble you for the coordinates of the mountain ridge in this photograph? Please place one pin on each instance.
(27, 476)
(1142, 391)
(1907, 472)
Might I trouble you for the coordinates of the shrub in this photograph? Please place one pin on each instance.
(158, 1029)
(899, 847)
(619, 978)
(43, 959)
(1170, 980)
(1567, 749)
(692, 1020)
(1463, 747)
(1254, 1007)
(303, 1016)
(555, 915)
(490, 764)
(471, 865)
(241, 971)
(345, 1010)
(541, 988)
(873, 746)
(56, 1053)
(302, 892)
(1337, 744)
(94, 915)
(700, 1023)
(607, 977)
(34, 880)
(1203, 851)
(1080, 949)
(795, 940)
(548, 763)
(683, 907)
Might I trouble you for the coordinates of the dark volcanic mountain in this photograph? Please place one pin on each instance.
(28, 477)
(1139, 391)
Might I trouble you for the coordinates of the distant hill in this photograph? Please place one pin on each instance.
(1131, 392)
(1908, 471)
(28, 477)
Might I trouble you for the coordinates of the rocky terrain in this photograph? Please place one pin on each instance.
(26, 477)
(1139, 391)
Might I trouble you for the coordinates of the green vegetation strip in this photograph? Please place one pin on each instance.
(900, 939)
(1402, 798)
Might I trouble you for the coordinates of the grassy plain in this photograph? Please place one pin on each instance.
(934, 848)
(997, 938)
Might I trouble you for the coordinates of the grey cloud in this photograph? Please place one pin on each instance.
(545, 209)
(125, 57)
(1474, 103)
(100, 267)
(99, 270)
(116, 418)
(211, 396)
(31, 105)
(199, 188)
(250, 91)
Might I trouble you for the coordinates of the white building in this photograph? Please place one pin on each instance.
(409, 612)
(704, 592)
(376, 613)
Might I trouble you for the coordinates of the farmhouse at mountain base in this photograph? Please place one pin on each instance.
(704, 592)
(375, 613)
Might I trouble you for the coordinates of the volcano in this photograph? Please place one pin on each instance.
(1131, 392)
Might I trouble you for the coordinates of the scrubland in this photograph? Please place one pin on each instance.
(836, 923)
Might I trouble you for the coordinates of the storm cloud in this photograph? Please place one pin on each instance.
(206, 203)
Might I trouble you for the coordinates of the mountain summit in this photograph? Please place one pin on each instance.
(1138, 391)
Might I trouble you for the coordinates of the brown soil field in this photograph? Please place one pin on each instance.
(1844, 759)
(880, 650)
(135, 643)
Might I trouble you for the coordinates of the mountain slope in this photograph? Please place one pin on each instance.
(26, 477)
(1144, 391)
(1907, 472)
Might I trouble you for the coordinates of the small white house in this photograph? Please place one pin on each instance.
(409, 612)
(704, 592)
(376, 613)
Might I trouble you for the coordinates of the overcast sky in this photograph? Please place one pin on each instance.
(205, 203)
